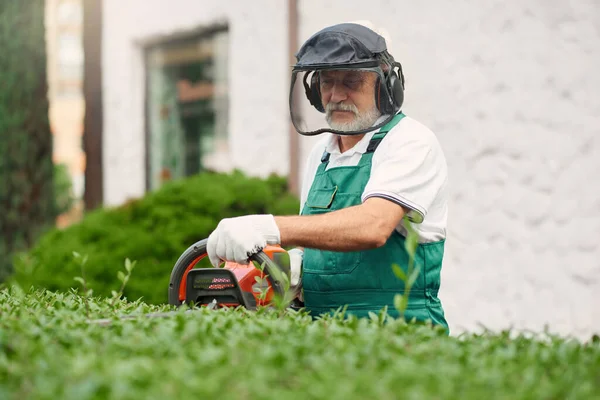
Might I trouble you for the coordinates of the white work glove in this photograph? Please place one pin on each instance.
(296, 257)
(236, 239)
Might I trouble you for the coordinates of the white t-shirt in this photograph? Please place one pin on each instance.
(408, 168)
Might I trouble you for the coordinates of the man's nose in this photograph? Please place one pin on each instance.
(338, 93)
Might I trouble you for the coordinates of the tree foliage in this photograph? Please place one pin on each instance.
(26, 167)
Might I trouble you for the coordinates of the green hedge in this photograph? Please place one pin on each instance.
(50, 350)
(153, 231)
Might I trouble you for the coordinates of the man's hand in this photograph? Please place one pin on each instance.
(236, 239)
(296, 258)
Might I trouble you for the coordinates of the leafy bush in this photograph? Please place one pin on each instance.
(50, 348)
(153, 231)
(63, 189)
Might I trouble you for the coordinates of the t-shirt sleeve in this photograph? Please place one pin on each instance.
(409, 172)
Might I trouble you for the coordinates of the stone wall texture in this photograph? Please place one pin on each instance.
(510, 88)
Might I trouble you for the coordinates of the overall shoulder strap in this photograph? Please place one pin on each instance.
(378, 137)
(373, 143)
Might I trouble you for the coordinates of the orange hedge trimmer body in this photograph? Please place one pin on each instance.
(232, 285)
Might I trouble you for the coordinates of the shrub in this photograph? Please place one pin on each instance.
(49, 349)
(153, 231)
(63, 189)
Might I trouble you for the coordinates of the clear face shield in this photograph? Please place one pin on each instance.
(342, 101)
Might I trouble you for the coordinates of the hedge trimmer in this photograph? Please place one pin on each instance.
(261, 282)
(234, 285)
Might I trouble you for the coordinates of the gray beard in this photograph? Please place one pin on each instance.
(360, 121)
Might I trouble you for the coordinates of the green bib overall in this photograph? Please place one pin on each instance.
(364, 281)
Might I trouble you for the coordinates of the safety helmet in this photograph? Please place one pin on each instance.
(344, 82)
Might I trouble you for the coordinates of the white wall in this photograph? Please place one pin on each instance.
(509, 87)
(258, 82)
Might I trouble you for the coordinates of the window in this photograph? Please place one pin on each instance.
(186, 104)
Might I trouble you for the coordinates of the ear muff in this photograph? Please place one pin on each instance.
(392, 85)
(313, 92)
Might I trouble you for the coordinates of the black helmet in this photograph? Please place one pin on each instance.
(344, 48)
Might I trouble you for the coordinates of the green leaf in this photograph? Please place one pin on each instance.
(260, 267)
(399, 272)
(128, 265)
(412, 238)
(80, 280)
(400, 303)
(121, 276)
(280, 276)
(411, 243)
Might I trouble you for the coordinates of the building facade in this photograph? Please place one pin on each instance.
(508, 89)
(64, 32)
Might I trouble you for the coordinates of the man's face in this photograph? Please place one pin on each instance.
(349, 99)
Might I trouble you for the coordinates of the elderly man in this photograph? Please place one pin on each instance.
(374, 169)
